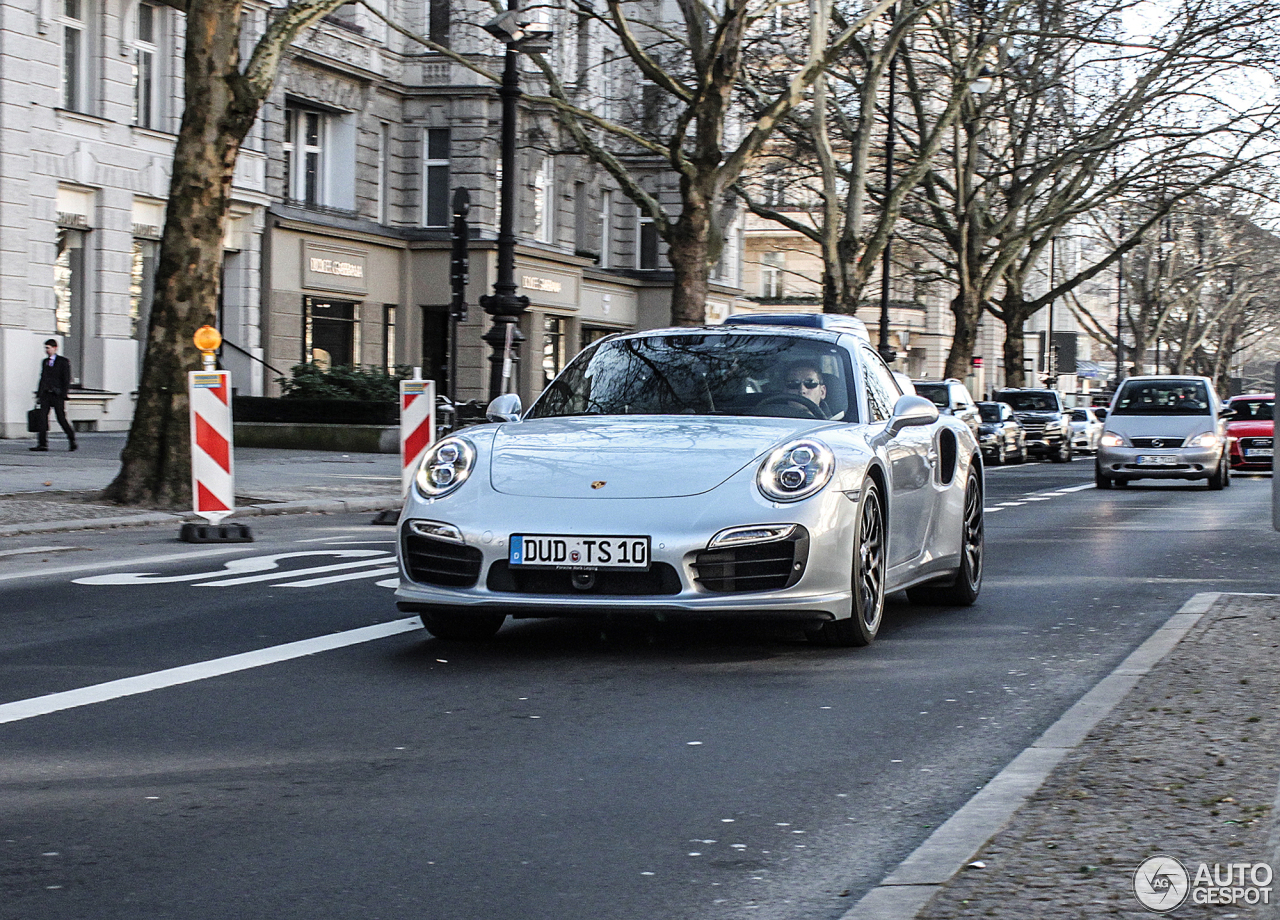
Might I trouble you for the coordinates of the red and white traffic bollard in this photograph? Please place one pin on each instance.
(417, 426)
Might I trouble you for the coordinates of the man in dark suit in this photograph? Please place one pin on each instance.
(55, 381)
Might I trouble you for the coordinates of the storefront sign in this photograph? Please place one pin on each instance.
(548, 287)
(327, 268)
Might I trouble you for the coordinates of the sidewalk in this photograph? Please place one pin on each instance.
(1183, 765)
(58, 490)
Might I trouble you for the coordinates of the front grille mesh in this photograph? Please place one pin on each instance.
(1156, 443)
(659, 579)
(439, 562)
(758, 567)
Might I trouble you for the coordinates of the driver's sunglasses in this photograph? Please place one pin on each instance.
(809, 384)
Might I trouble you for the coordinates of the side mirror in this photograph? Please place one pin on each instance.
(506, 408)
(910, 411)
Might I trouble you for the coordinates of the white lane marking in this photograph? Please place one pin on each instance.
(991, 510)
(190, 673)
(1012, 504)
(146, 560)
(382, 559)
(1038, 498)
(388, 582)
(332, 579)
(250, 564)
(341, 541)
(37, 549)
(1087, 485)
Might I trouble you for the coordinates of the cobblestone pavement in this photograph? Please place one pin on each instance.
(1186, 766)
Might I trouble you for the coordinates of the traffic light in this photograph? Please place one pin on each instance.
(459, 268)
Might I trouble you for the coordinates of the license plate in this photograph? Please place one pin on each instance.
(552, 551)
(1156, 460)
(1258, 452)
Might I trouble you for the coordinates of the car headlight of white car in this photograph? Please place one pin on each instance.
(445, 467)
(795, 471)
(1204, 439)
(1111, 439)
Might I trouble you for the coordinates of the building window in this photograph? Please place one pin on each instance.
(606, 228)
(75, 44)
(145, 56)
(331, 332)
(553, 347)
(384, 172)
(435, 345)
(647, 250)
(389, 337)
(774, 192)
(304, 132)
(438, 27)
(581, 218)
(544, 181)
(771, 266)
(435, 178)
(69, 297)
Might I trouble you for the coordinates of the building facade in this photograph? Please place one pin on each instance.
(338, 240)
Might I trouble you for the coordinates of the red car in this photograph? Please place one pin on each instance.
(1251, 430)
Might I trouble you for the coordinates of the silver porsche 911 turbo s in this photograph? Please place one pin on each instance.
(768, 467)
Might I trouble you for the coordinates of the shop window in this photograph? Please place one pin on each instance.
(69, 297)
(331, 332)
(146, 56)
(592, 334)
(75, 49)
(435, 345)
(435, 178)
(553, 347)
(389, 337)
(142, 288)
(647, 251)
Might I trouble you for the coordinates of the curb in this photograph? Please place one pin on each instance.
(905, 891)
(353, 505)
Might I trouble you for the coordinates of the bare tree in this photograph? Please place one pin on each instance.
(1082, 114)
(222, 99)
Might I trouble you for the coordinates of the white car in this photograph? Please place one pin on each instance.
(770, 467)
(1086, 429)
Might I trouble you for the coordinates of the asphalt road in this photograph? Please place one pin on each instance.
(557, 773)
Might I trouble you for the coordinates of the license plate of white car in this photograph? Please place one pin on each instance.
(1258, 452)
(555, 551)
(1156, 460)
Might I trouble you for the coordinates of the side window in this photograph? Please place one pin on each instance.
(882, 390)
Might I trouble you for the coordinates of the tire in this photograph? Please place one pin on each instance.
(866, 577)
(963, 591)
(1101, 481)
(1063, 454)
(1217, 479)
(463, 627)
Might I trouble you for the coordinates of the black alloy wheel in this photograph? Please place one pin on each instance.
(866, 579)
(963, 591)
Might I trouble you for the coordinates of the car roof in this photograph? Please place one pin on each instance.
(834, 322)
(1253, 396)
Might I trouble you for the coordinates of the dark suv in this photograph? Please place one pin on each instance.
(1045, 418)
(951, 398)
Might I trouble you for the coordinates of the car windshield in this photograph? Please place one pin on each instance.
(989, 412)
(703, 374)
(1079, 415)
(1030, 402)
(936, 393)
(1162, 397)
(1252, 410)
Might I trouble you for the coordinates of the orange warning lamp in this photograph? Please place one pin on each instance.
(208, 339)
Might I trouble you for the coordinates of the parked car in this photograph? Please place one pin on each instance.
(1001, 435)
(1044, 416)
(1251, 431)
(1164, 427)
(952, 398)
(1086, 429)
(694, 472)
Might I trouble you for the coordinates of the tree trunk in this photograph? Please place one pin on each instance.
(1015, 351)
(688, 251)
(156, 461)
(967, 308)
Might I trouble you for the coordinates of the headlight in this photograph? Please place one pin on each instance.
(1207, 439)
(445, 467)
(1111, 439)
(795, 471)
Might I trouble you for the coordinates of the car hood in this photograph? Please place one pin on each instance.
(619, 457)
(1251, 428)
(1159, 426)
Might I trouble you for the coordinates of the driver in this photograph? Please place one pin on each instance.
(804, 380)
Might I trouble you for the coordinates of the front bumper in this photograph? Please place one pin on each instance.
(1183, 463)
(1240, 462)
(684, 580)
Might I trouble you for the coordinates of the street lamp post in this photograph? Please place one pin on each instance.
(886, 258)
(1120, 308)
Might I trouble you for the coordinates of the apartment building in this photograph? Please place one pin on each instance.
(338, 241)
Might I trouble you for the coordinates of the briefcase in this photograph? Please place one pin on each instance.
(37, 420)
